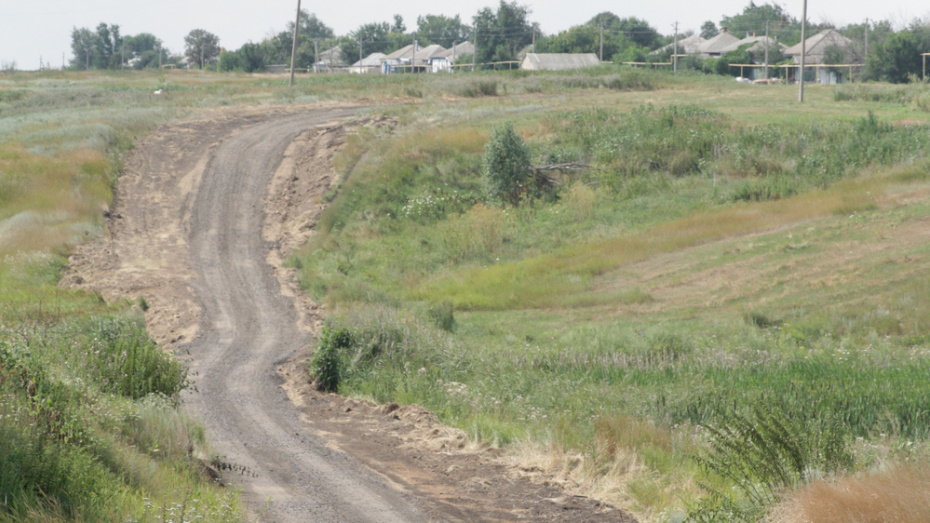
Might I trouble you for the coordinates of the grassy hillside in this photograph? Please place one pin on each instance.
(89, 422)
(90, 427)
(728, 275)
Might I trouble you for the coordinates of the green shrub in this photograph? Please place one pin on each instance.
(326, 367)
(125, 360)
(768, 452)
(506, 165)
(443, 316)
(480, 88)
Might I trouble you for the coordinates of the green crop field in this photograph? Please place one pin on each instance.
(719, 304)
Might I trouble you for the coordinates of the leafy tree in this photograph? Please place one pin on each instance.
(506, 165)
(502, 33)
(276, 49)
(375, 38)
(709, 30)
(399, 25)
(899, 56)
(754, 17)
(879, 32)
(106, 47)
(140, 43)
(201, 47)
(248, 59)
(638, 31)
(739, 56)
(99, 49)
(619, 42)
(442, 30)
(82, 45)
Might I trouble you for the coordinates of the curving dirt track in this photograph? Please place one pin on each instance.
(248, 328)
(186, 233)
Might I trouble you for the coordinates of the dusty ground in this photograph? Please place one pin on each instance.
(204, 215)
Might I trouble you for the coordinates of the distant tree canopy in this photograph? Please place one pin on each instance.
(502, 33)
(442, 30)
(383, 37)
(201, 47)
(625, 39)
(99, 49)
(709, 30)
(899, 56)
(247, 59)
(753, 18)
(276, 49)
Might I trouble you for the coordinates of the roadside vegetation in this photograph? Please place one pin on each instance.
(89, 406)
(708, 302)
(713, 306)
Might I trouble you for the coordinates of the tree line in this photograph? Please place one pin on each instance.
(501, 34)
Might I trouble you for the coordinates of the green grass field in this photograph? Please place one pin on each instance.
(723, 249)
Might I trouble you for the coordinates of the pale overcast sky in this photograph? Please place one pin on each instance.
(30, 29)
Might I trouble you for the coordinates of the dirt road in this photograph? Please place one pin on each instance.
(248, 328)
(186, 234)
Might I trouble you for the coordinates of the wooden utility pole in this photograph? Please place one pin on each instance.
(474, 56)
(803, 52)
(601, 55)
(765, 74)
(294, 45)
(866, 39)
(675, 51)
(534, 37)
(360, 49)
(316, 53)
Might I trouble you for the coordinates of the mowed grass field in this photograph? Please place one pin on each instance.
(723, 304)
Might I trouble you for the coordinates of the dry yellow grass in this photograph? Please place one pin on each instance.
(900, 495)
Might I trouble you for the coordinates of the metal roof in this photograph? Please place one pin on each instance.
(558, 61)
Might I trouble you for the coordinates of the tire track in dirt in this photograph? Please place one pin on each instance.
(248, 328)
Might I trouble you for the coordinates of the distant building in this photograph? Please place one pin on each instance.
(558, 61)
(371, 64)
(411, 59)
(329, 59)
(689, 45)
(444, 60)
(399, 60)
(817, 49)
(714, 47)
(756, 45)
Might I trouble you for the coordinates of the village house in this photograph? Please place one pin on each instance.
(824, 48)
(716, 46)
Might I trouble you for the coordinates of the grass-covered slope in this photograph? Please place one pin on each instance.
(720, 248)
(90, 425)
